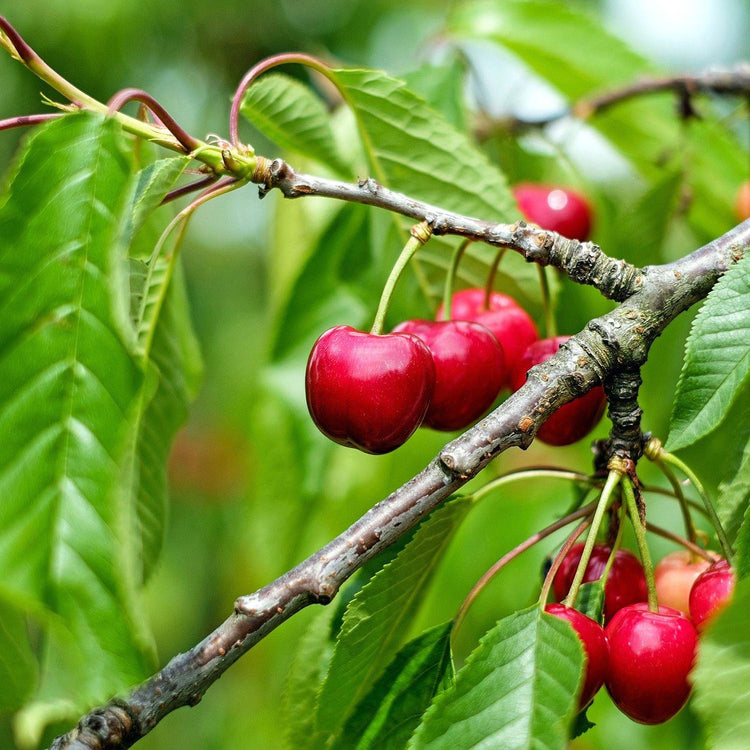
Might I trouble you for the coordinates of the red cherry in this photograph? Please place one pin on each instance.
(650, 657)
(594, 645)
(626, 582)
(711, 592)
(469, 370)
(557, 209)
(674, 577)
(742, 201)
(366, 391)
(511, 325)
(571, 421)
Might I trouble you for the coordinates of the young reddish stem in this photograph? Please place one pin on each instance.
(512, 555)
(121, 98)
(686, 543)
(557, 562)
(613, 479)
(640, 536)
(24, 120)
(255, 71)
(190, 188)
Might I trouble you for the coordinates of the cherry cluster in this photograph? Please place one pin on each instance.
(371, 391)
(642, 656)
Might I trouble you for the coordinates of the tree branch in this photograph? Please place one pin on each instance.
(616, 342)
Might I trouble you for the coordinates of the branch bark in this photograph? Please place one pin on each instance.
(616, 342)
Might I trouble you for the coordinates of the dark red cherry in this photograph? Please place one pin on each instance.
(572, 421)
(711, 592)
(366, 391)
(594, 646)
(650, 657)
(469, 370)
(626, 582)
(511, 325)
(558, 209)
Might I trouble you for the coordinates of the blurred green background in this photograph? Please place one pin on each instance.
(254, 488)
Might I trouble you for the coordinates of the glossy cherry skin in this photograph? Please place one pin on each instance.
(573, 420)
(650, 657)
(366, 391)
(511, 325)
(742, 201)
(674, 576)
(711, 592)
(595, 648)
(558, 209)
(625, 585)
(469, 370)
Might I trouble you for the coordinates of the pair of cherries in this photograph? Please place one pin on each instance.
(643, 657)
(372, 391)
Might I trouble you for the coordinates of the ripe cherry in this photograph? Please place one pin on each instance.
(595, 648)
(742, 201)
(573, 420)
(650, 657)
(367, 391)
(508, 321)
(626, 582)
(554, 208)
(674, 577)
(469, 370)
(711, 592)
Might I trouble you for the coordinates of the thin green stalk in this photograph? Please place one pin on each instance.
(534, 473)
(550, 326)
(680, 495)
(613, 479)
(726, 547)
(490, 283)
(557, 562)
(512, 555)
(450, 279)
(613, 552)
(420, 235)
(640, 536)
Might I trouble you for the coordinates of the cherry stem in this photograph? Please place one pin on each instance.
(680, 495)
(694, 548)
(450, 278)
(190, 188)
(640, 536)
(121, 98)
(490, 283)
(24, 120)
(257, 70)
(534, 472)
(613, 479)
(649, 489)
(512, 555)
(613, 551)
(550, 326)
(557, 562)
(680, 465)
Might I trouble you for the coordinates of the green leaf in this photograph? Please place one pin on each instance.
(69, 392)
(308, 669)
(518, 689)
(413, 149)
(18, 668)
(377, 619)
(572, 51)
(717, 359)
(442, 86)
(722, 675)
(292, 116)
(733, 497)
(389, 713)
